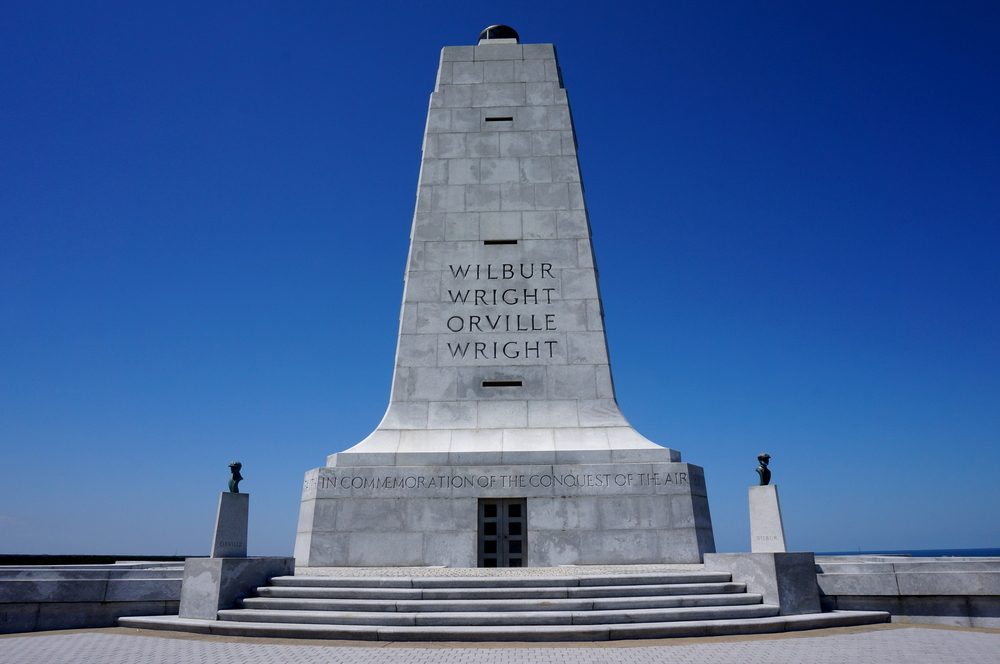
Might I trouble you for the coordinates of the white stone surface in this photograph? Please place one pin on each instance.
(577, 513)
(767, 532)
(502, 358)
(230, 537)
(500, 165)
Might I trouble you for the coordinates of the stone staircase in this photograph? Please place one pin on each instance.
(504, 608)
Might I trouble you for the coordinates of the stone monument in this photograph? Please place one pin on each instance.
(767, 531)
(503, 444)
(230, 535)
(229, 575)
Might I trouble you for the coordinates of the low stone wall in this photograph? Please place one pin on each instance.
(946, 591)
(37, 598)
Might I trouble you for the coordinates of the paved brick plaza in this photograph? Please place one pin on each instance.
(875, 645)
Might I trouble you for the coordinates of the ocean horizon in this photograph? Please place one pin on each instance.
(919, 553)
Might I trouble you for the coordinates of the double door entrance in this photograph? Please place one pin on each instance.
(503, 536)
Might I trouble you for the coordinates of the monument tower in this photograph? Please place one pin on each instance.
(503, 444)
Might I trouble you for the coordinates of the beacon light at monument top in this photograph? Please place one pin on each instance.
(503, 444)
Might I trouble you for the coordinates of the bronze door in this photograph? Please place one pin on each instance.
(503, 536)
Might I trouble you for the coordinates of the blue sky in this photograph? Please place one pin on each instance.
(204, 214)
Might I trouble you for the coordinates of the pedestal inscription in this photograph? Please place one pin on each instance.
(230, 537)
(767, 532)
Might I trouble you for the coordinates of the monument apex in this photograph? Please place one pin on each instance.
(502, 427)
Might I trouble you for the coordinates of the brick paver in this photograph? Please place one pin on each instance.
(879, 645)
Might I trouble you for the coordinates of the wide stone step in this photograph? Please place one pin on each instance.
(457, 618)
(484, 633)
(491, 605)
(316, 592)
(501, 581)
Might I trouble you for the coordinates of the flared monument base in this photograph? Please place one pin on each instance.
(504, 515)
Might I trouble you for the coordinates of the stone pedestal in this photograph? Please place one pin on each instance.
(230, 538)
(577, 514)
(785, 579)
(211, 584)
(767, 533)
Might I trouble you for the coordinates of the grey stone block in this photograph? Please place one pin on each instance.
(444, 75)
(498, 52)
(467, 72)
(585, 258)
(482, 198)
(463, 171)
(568, 145)
(539, 93)
(53, 590)
(452, 414)
(552, 413)
(948, 583)
(528, 71)
(515, 144)
(19, 617)
(230, 536)
(554, 547)
(767, 532)
(499, 170)
(536, 169)
(984, 611)
(496, 94)
(600, 413)
(434, 171)
(539, 225)
(517, 197)
(499, 71)
(557, 117)
(484, 144)
(453, 549)
(453, 96)
(626, 546)
(457, 53)
(438, 120)
(546, 143)
(143, 590)
(211, 584)
(417, 350)
(553, 196)
(552, 72)
(858, 584)
(399, 548)
(461, 225)
(785, 579)
(466, 120)
(559, 514)
(538, 51)
(531, 118)
(445, 146)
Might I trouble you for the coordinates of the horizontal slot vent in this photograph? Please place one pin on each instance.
(499, 242)
(501, 383)
(500, 118)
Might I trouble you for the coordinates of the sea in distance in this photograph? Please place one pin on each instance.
(920, 553)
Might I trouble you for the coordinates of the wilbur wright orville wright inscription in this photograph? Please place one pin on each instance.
(503, 444)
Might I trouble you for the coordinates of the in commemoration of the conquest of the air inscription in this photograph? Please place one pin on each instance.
(563, 481)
